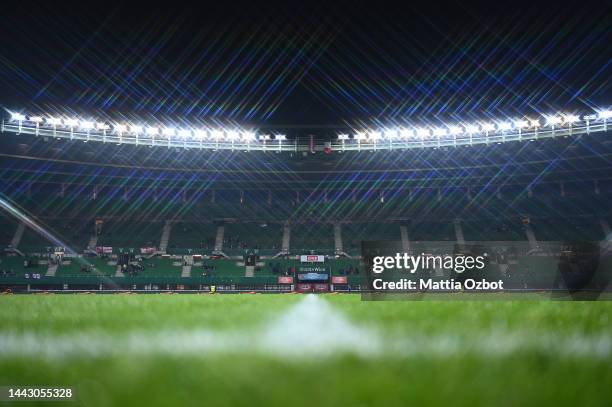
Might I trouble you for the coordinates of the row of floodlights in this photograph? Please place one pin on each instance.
(152, 131)
(499, 127)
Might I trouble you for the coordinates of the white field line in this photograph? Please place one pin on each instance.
(311, 328)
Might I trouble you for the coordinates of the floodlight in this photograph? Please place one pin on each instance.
(18, 117)
(422, 132)
(488, 127)
(278, 137)
(454, 130)
(134, 129)
(54, 121)
(359, 135)
(552, 120)
(71, 122)
(571, 118)
(86, 125)
(535, 123)
(199, 133)
(504, 126)
(248, 136)
(439, 131)
(216, 134)
(343, 136)
(604, 114)
(390, 134)
(265, 137)
(184, 133)
(152, 131)
(521, 124)
(405, 133)
(471, 128)
(36, 119)
(102, 126)
(169, 131)
(120, 128)
(374, 135)
(233, 135)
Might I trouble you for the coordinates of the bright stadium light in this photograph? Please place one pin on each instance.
(233, 135)
(556, 124)
(71, 122)
(422, 132)
(390, 134)
(439, 131)
(552, 120)
(184, 133)
(604, 114)
(135, 129)
(471, 129)
(200, 134)
(571, 118)
(488, 127)
(120, 128)
(248, 136)
(405, 133)
(17, 117)
(86, 125)
(521, 124)
(216, 134)
(374, 135)
(53, 121)
(454, 130)
(504, 126)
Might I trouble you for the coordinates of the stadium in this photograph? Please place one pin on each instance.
(202, 217)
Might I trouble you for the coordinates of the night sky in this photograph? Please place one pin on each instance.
(300, 67)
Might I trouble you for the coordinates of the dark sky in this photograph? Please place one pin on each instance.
(296, 65)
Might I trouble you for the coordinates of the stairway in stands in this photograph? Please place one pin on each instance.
(165, 237)
(93, 241)
(249, 271)
(338, 238)
(17, 236)
(51, 269)
(219, 238)
(119, 272)
(187, 265)
(286, 238)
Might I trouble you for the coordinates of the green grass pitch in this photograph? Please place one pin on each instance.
(212, 350)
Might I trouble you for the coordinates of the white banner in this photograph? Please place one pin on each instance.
(312, 258)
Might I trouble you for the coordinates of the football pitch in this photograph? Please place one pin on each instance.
(163, 350)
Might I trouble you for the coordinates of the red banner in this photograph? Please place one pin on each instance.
(104, 249)
(147, 250)
(285, 280)
(339, 279)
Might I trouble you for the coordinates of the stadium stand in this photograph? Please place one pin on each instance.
(410, 196)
